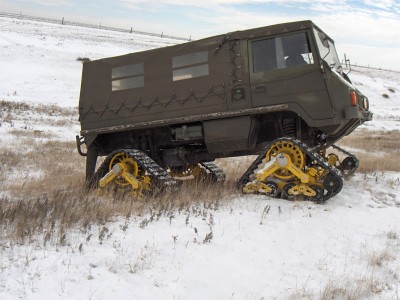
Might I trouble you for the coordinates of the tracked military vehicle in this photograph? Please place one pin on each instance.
(278, 92)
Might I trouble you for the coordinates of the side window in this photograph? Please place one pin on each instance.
(127, 77)
(281, 52)
(190, 66)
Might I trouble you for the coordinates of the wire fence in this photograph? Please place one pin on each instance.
(348, 65)
(63, 21)
(375, 68)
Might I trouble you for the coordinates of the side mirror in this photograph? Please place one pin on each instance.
(324, 39)
(347, 64)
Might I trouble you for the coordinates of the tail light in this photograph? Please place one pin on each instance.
(353, 98)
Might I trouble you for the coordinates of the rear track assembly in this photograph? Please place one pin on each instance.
(133, 169)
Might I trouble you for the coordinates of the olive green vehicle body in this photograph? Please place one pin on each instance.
(218, 97)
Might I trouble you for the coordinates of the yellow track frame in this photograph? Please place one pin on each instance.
(124, 171)
(285, 162)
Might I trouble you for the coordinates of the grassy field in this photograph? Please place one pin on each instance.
(43, 177)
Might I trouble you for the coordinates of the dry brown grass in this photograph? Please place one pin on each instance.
(42, 109)
(24, 116)
(378, 259)
(56, 161)
(378, 276)
(392, 235)
(9, 106)
(352, 288)
(54, 202)
(21, 133)
(52, 208)
(377, 151)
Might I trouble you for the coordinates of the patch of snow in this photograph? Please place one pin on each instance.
(383, 91)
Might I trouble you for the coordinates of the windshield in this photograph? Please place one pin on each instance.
(327, 50)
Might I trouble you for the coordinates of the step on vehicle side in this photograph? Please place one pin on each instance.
(277, 91)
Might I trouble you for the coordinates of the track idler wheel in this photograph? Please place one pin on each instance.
(332, 184)
(349, 165)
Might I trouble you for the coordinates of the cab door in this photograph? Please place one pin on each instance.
(239, 95)
(284, 70)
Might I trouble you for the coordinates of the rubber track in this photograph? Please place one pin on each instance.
(343, 151)
(217, 174)
(160, 179)
(307, 150)
(349, 155)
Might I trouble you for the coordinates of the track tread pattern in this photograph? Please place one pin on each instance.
(217, 174)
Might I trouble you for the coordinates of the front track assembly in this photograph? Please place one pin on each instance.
(290, 169)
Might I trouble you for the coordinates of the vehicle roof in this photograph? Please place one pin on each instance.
(264, 31)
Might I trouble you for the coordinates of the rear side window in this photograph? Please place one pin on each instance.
(190, 66)
(281, 52)
(127, 77)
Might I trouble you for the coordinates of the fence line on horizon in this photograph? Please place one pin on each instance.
(63, 21)
(374, 68)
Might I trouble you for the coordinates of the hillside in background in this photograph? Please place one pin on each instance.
(41, 58)
(206, 243)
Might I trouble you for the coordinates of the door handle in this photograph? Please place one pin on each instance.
(259, 89)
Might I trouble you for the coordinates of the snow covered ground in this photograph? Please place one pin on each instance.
(247, 247)
(39, 60)
(383, 91)
(259, 249)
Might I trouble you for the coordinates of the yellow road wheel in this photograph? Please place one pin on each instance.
(296, 155)
(333, 159)
(130, 164)
(182, 171)
(197, 171)
(191, 170)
